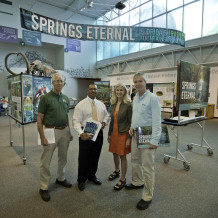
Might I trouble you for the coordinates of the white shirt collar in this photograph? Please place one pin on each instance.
(91, 100)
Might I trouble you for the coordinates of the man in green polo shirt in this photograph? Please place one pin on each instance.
(52, 114)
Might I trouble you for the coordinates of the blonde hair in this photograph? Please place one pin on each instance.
(126, 98)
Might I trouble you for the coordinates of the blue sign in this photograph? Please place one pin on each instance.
(73, 45)
(32, 38)
(8, 34)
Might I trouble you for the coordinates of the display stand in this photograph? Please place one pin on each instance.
(178, 152)
(23, 135)
(25, 92)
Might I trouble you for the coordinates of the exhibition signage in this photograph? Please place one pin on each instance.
(192, 86)
(73, 45)
(36, 22)
(8, 34)
(25, 92)
(32, 38)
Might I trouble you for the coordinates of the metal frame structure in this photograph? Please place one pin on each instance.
(161, 59)
(186, 163)
(23, 135)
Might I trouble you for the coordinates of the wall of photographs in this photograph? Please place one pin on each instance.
(25, 92)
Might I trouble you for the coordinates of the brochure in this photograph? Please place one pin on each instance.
(93, 127)
(144, 136)
(49, 135)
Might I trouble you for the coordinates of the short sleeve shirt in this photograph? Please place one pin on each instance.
(55, 108)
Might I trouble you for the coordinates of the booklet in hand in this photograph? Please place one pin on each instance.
(144, 136)
(93, 127)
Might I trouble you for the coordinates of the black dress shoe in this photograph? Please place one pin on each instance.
(44, 195)
(81, 186)
(142, 205)
(95, 180)
(64, 183)
(130, 186)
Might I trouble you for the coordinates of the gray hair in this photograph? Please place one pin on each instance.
(140, 74)
(55, 75)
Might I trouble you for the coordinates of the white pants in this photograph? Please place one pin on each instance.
(143, 169)
(62, 141)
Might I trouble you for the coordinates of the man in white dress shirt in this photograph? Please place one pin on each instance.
(89, 151)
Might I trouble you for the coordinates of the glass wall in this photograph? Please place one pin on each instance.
(196, 18)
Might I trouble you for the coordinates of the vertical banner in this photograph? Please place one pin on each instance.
(41, 86)
(15, 110)
(103, 92)
(27, 98)
(192, 86)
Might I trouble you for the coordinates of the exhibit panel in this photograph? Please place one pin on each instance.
(25, 92)
(103, 93)
(14, 98)
(165, 91)
(192, 86)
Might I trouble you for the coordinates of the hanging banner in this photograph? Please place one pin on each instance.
(73, 45)
(32, 38)
(36, 22)
(8, 34)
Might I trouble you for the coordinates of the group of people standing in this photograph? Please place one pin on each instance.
(125, 116)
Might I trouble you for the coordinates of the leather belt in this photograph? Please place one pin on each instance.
(56, 127)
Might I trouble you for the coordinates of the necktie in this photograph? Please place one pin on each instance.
(94, 112)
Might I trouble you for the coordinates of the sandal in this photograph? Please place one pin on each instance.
(114, 175)
(120, 185)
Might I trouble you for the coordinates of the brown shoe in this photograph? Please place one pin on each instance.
(64, 183)
(44, 195)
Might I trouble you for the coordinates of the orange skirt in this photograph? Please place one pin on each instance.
(118, 141)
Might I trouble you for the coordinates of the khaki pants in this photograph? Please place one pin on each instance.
(143, 169)
(62, 141)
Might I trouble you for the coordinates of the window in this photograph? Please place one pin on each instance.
(107, 50)
(100, 48)
(172, 4)
(115, 49)
(134, 17)
(160, 21)
(124, 20)
(210, 25)
(192, 20)
(145, 11)
(124, 48)
(159, 7)
(174, 19)
(182, 15)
